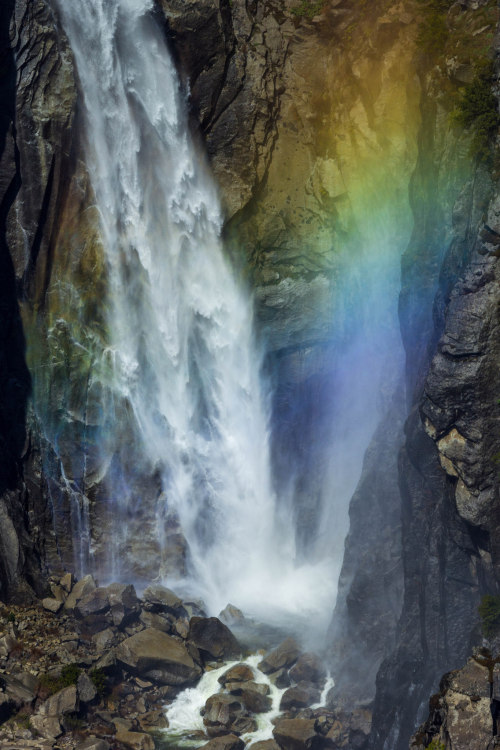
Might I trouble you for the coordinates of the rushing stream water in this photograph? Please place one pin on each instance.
(185, 391)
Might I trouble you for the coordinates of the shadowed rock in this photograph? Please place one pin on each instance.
(213, 638)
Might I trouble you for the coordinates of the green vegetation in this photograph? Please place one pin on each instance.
(100, 682)
(436, 745)
(433, 31)
(489, 611)
(69, 675)
(478, 110)
(308, 8)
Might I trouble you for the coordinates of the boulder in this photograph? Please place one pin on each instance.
(221, 711)
(281, 678)
(21, 689)
(300, 696)
(63, 702)
(46, 726)
(238, 673)
(124, 603)
(157, 656)
(86, 688)
(254, 696)
(213, 638)
(231, 615)
(244, 725)
(266, 745)
(295, 734)
(160, 599)
(308, 668)
(104, 639)
(281, 657)
(52, 605)
(226, 742)
(7, 643)
(156, 621)
(93, 743)
(83, 588)
(135, 740)
(66, 582)
(94, 603)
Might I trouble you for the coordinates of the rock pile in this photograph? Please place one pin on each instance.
(93, 667)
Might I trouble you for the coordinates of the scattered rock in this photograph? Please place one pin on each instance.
(221, 712)
(93, 743)
(104, 639)
(63, 702)
(254, 696)
(281, 678)
(282, 657)
(295, 734)
(86, 688)
(227, 742)
(83, 588)
(52, 605)
(213, 638)
(308, 668)
(238, 673)
(46, 726)
(161, 599)
(300, 696)
(67, 582)
(231, 615)
(135, 740)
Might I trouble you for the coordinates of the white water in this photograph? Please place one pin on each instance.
(184, 365)
(184, 714)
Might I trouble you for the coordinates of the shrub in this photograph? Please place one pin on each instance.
(436, 745)
(51, 684)
(100, 682)
(308, 9)
(489, 612)
(478, 110)
(69, 674)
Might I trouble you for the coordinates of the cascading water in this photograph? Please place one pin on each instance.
(184, 399)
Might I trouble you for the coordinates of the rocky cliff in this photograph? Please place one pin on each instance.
(316, 119)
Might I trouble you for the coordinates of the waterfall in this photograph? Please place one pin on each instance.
(184, 402)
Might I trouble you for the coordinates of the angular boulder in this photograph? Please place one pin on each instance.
(253, 695)
(308, 668)
(135, 740)
(158, 657)
(124, 603)
(82, 588)
(281, 657)
(213, 638)
(63, 702)
(300, 696)
(225, 742)
(46, 726)
(160, 599)
(221, 712)
(295, 734)
(238, 673)
(86, 688)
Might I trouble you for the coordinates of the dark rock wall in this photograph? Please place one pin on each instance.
(38, 98)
